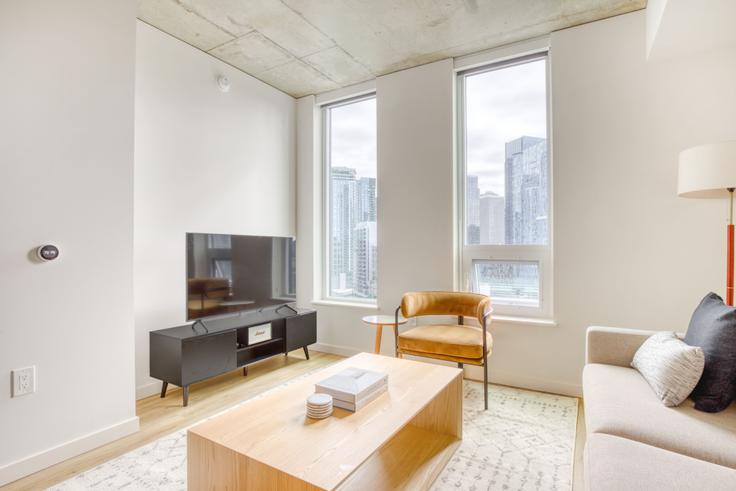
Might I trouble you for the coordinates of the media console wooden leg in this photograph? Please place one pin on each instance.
(306, 352)
(245, 371)
(185, 395)
(164, 386)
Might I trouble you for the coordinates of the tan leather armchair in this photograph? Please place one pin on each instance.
(452, 342)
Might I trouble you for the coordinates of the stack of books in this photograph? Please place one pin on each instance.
(353, 388)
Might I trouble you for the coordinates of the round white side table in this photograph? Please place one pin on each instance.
(379, 321)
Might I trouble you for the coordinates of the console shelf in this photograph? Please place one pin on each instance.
(187, 354)
(262, 343)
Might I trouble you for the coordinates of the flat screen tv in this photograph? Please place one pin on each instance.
(233, 273)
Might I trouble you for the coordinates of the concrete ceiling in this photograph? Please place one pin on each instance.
(311, 46)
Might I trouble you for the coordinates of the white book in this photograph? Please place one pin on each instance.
(371, 394)
(352, 384)
(362, 402)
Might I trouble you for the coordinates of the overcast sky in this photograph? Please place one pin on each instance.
(353, 142)
(501, 105)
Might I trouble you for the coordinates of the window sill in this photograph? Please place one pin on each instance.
(527, 321)
(340, 303)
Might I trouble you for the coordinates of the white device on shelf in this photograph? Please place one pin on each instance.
(259, 333)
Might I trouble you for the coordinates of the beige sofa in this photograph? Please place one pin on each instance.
(633, 441)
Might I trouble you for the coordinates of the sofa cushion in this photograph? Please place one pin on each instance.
(448, 340)
(713, 328)
(618, 401)
(617, 464)
(670, 367)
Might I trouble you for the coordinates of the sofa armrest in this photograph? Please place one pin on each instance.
(613, 345)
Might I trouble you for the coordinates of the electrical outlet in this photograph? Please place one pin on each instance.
(24, 381)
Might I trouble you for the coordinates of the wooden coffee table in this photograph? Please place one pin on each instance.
(402, 440)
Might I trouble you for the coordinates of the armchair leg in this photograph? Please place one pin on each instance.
(485, 383)
(396, 332)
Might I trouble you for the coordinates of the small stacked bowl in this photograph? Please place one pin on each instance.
(319, 406)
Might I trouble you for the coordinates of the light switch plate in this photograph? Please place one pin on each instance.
(24, 381)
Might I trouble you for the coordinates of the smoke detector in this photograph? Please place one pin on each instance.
(223, 83)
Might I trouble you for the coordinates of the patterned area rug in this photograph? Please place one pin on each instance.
(525, 441)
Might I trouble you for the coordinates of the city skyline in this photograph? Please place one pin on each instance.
(520, 215)
(353, 253)
(352, 157)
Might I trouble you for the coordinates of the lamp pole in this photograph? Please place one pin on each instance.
(706, 171)
(729, 263)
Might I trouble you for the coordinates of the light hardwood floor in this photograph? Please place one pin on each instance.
(159, 417)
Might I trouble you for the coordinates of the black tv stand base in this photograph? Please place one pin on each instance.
(182, 356)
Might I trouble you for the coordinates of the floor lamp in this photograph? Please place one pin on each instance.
(709, 171)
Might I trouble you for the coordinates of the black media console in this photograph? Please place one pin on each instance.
(186, 354)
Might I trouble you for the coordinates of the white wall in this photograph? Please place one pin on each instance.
(205, 161)
(677, 28)
(309, 200)
(415, 181)
(653, 14)
(66, 175)
(627, 250)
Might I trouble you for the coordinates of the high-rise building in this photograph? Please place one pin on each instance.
(343, 187)
(365, 270)
(526, 185)
(492, 218)
(472, 213)
(366, 199)
(353, 234)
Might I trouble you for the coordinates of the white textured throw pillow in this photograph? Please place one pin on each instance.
(671, 367)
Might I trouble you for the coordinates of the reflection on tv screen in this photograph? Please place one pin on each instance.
(233, 273)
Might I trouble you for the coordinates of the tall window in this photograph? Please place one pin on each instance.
(505, 185)
(350, 199)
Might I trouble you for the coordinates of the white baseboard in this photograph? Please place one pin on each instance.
(476, 373)
(46, 458)
(334, 349)
(147, 390)
(524, 382)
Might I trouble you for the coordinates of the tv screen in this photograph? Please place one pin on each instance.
(231, 273)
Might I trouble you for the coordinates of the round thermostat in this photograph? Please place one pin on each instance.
(47, 252)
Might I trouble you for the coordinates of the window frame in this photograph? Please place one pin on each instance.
(541, 254)
(325, 164)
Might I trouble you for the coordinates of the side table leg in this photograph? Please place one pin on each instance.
(379, 331)
(164, 386)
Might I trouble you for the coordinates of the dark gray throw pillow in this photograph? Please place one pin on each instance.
(713, 328)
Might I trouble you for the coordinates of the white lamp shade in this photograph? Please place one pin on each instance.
(707, 171)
